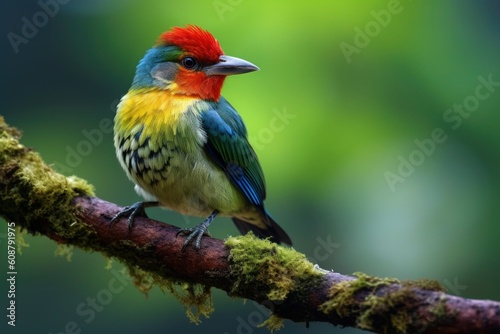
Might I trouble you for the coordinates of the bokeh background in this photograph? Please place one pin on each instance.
(330, 114)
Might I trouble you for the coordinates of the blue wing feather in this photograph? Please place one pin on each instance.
(227, 145)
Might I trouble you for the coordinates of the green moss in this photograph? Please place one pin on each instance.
(388, 312)
(196, 298)
(424, 284)
(9, 145)
(396, 304)
(343, 301)
(35, 194)
(391, 308)
(20, 241)
(273, 323)
(269, 272)
(64, 250)
(272, 270)
(439, 309)
(109, 263)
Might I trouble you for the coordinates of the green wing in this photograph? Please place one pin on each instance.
(227, 145)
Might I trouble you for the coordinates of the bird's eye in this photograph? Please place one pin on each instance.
(189, 63)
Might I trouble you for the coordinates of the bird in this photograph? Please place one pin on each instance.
(184, 145)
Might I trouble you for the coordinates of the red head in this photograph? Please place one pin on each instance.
(201, 65)
(195, 42)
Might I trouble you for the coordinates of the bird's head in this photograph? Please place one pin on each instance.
(188, 61)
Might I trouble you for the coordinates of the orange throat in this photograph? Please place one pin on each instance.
(198, 84)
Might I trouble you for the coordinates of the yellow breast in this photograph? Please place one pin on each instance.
(153, 109)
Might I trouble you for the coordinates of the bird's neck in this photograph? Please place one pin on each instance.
(198, 85)
(155, 110)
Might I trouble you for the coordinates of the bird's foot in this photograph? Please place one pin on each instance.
(133, 211)
(195, 234)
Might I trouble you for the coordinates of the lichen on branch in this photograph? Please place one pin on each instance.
(33, 190)
(274, 270)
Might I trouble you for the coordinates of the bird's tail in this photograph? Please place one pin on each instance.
(272, 230)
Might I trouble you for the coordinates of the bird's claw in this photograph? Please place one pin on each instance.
(132, 211)
(194, 234)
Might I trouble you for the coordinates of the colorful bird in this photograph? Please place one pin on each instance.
(183, 145)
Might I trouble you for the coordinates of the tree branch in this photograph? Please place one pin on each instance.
(64, 209)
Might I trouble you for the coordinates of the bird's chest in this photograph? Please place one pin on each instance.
(161, 146)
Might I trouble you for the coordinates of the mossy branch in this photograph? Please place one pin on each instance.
(64, 209)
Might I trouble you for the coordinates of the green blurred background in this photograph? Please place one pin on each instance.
(350, 120)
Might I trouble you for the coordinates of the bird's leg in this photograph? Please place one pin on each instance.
(133, 211)
(196, 233)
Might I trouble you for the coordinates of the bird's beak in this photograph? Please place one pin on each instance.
(230, 65)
